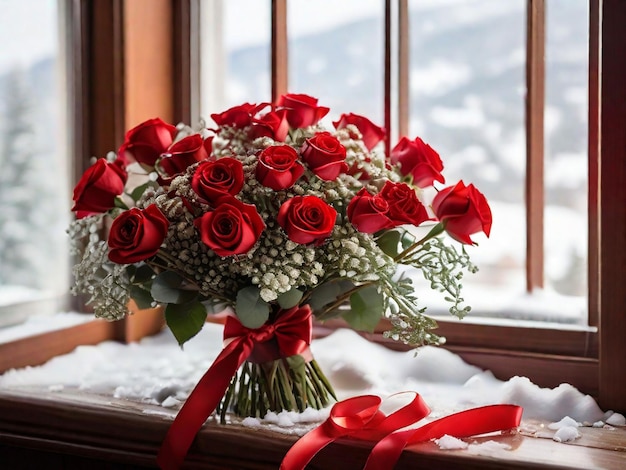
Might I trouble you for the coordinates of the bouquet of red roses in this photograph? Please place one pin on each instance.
(266, 213)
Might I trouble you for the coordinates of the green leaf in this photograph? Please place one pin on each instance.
(185, 320)
(141, 296)
(139, 190)
(290, 299)
(250, 308)
(327, 293)
(166, 289)
(366, 308)
(143, 273)
(389, 242)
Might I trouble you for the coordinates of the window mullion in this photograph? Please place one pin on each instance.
(612, 170)
(403, 67)
(387, 76)
(593, 273)
(280, 68)
(535, 100)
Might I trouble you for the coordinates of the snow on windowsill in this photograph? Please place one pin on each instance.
(38, 324)
(158, 372)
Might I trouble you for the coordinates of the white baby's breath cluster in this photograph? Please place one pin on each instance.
(105, 283)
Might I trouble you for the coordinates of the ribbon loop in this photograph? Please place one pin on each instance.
(361, 418)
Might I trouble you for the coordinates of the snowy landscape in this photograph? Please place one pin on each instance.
(467, 90)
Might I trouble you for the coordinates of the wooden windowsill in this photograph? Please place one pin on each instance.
(37, 423)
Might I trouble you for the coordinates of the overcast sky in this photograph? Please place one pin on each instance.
(28, 31)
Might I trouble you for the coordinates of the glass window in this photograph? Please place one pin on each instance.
(467, 89)
(336, 54)
(235, 54)
(566, 122)
(34, 214)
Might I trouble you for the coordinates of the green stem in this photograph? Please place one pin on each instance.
(436, 230)
(323, 315)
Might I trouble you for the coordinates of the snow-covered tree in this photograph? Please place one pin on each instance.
(30, 199)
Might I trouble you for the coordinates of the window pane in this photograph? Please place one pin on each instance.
(34, 213)
(235, 54)
(336, 54)
(467, 86)
(566, 147)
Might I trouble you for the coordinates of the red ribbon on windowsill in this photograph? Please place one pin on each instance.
(361, 418)
(288, 335)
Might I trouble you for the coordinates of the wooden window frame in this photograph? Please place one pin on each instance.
(109, 76)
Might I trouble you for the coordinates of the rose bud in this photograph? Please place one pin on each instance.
(278, 167)
(463, 211)
(137, 235)
(404, 205)
(418, 159)
(212, 179)
(183, 154)
(146, 142)
(273, 124)
(302, 110)
(98, 187)
(368, 213)
(237, 116)
(325, 156)
(372, 134)
(307, 219)
(232, 228)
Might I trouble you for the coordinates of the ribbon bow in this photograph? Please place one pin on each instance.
(292, 332)
(361, 418)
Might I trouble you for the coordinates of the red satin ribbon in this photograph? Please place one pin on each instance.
(361, 418)
(292, 333)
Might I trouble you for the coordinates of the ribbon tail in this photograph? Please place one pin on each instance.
(308, 446)
(201, 403)
(472, 422)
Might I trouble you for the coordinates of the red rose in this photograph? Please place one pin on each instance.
(418, 159)
(146, 142)
(307, 219)
(232, 228)
(212, 179)
(372, 134)
(404, 206)
(137, 234)
(302, 110)
(98, 187)
(278, 167)
(182, 154)
(273, 124)
(369, 213)
(325, 156)
(237, 116)
(463, 210)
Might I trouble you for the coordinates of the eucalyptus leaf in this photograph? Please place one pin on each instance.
(252, 311)
(328, 292)
(389, 242)
(166, 288)
(141, 296)
(185, 320)
(366, 308)
(290, 299)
